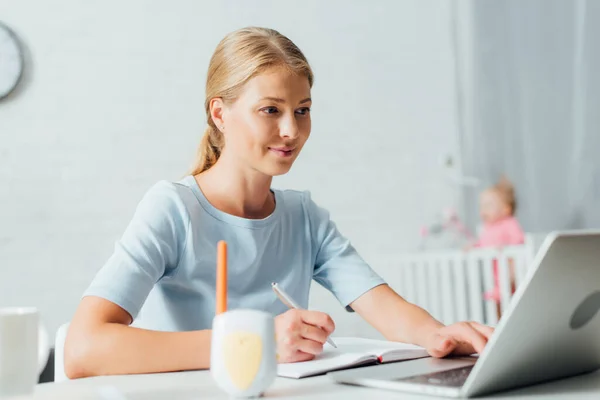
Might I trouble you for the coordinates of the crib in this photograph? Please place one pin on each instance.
(451, 284)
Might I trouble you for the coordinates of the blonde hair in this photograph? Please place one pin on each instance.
(506, 191)
(239, 57)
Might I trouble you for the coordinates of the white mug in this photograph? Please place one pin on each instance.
(24, 350)
(242, 357)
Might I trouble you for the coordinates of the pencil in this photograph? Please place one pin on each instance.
(221, 277)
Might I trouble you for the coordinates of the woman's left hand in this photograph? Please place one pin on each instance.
(461, 339)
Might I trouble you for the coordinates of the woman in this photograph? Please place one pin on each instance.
(161, 276)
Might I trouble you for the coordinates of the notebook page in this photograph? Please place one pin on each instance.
(350, 352)
(331, 359)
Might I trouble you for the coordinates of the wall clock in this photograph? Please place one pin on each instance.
(11, 61)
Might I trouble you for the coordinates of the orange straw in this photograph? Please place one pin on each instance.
(221, 277)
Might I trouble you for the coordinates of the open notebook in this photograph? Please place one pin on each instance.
(351, 352)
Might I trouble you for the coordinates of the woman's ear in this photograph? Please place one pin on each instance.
(217, 109)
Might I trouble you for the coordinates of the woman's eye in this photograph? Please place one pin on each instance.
(303, 111)
(269, 110)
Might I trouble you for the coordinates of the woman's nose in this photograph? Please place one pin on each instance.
(289, 128)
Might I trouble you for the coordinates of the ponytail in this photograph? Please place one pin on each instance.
(208, 151)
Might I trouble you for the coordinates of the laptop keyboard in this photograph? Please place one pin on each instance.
(450, 378)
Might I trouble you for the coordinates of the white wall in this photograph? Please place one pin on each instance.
(113, 101)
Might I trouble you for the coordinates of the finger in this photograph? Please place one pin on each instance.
(312, 332)
(464, 349)
(302, 356)
(455, 347)
(293, 357)
(310, 346)
(442, 346)
(319, 319)
(464, 332)
(485, 330)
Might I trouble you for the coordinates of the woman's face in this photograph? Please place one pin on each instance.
(268, 124)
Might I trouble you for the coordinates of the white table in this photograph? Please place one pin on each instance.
(199, 385)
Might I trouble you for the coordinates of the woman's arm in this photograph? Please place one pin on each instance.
(395, 318)
(398, 320)
(100, 342)
(339, 268)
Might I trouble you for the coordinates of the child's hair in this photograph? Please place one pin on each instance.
(506, 190)
(240, 56)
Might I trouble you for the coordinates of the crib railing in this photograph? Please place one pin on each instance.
(451, 285)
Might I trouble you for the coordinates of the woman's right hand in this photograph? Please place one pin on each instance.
(300, 334)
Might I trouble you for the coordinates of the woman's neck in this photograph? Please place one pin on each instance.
(245, 194)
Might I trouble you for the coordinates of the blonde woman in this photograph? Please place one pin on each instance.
(150, 307)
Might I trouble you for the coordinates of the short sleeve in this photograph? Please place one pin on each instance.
(338, 266)
(150, 247)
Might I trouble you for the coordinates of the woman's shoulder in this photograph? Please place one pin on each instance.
(292, 194)
(300, 204)
(293, 198)
(168, 197)
(169, 191)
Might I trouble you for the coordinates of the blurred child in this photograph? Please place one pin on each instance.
(500, 227)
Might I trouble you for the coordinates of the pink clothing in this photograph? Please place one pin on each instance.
(506, 232)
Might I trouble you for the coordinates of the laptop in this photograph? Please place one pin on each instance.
(551, 330)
